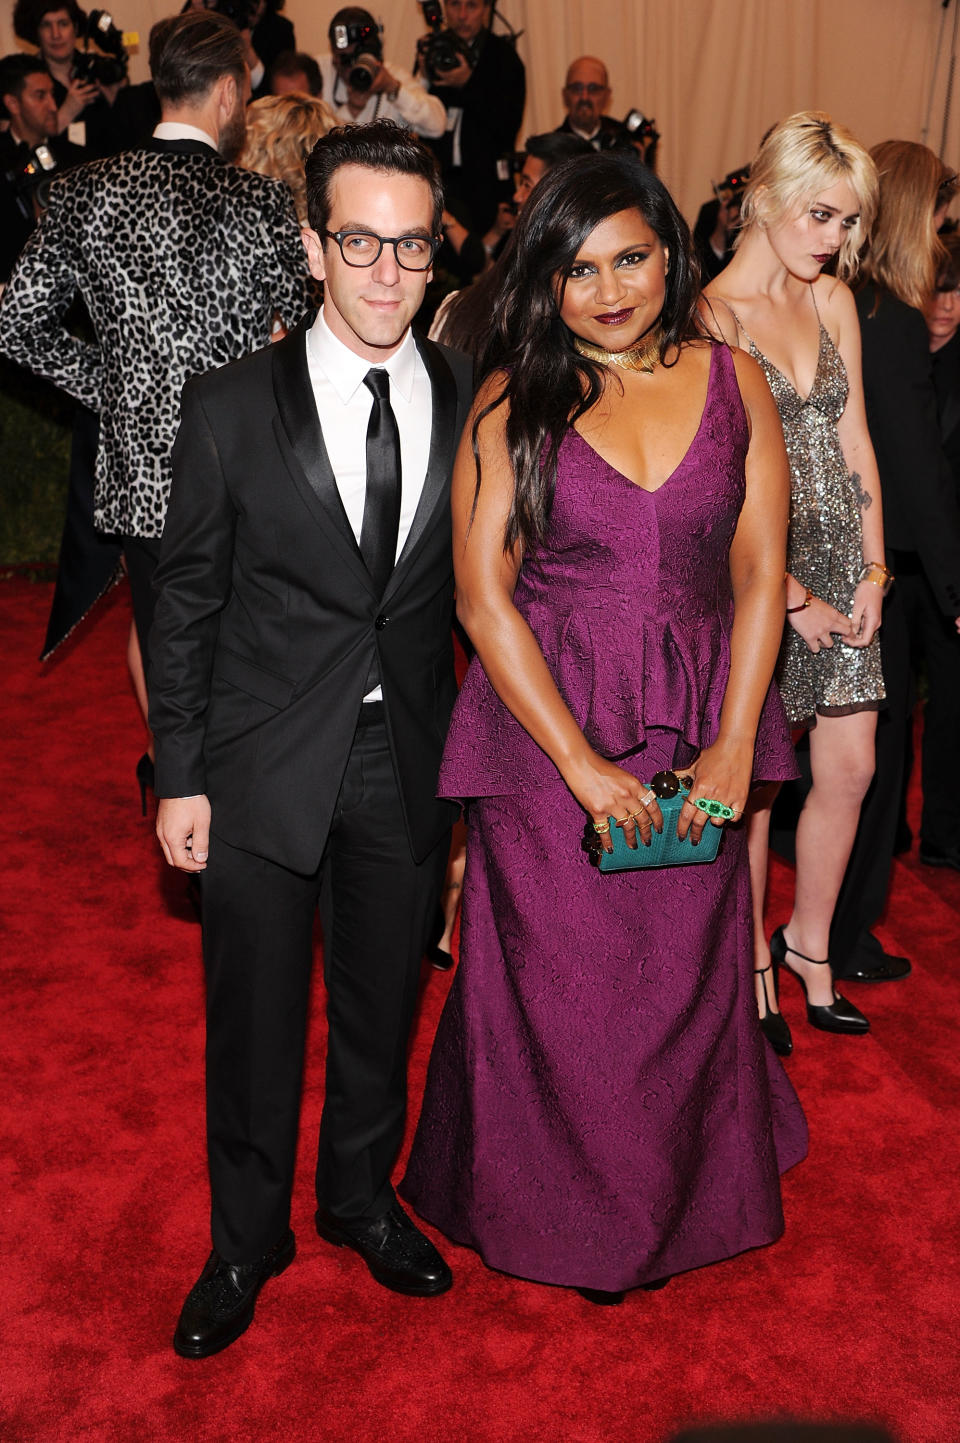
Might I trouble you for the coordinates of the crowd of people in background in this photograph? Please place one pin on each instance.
(625, 617)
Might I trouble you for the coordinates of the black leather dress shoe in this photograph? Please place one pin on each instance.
(887, 969)
(870, 963)
(221, 1303)
(396, 1252)
(932, 856)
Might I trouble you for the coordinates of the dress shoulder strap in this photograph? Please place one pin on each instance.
(741, 326)
(813, 297)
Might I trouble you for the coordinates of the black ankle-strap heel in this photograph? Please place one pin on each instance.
(840, 1015)
(774, 1025)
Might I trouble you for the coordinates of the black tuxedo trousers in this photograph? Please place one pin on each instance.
(377, 905)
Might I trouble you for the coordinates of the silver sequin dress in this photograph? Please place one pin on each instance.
(825, 542)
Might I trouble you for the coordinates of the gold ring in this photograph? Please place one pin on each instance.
(601, 828)
(635, 816)
(622, 821)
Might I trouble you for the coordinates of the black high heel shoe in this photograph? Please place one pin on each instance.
(597, 1295)
(147, 778)
(774, 1025)
(840, 1015)
(609, 1300)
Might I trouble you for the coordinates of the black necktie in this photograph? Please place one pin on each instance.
(381, 507)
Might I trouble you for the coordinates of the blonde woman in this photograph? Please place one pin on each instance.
(811, 198)
(281, 132)
(922, 523)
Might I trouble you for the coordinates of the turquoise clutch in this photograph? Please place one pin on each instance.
(665, 849)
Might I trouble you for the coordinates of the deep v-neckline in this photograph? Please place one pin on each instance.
(804, 400)
(822, 335)
(652, 490)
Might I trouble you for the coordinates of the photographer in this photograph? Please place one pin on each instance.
(718, 223)
(482, 83)
(359, 85)
(85, 81)
(30, 152)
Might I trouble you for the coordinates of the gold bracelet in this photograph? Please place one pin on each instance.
(878, 574)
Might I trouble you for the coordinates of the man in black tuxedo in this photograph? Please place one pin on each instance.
(301, 688)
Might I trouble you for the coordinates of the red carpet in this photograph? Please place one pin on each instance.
(852, 1316)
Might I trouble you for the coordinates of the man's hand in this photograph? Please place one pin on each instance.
(456, 77)
(183, 826)
(384, 83)
(80, 93)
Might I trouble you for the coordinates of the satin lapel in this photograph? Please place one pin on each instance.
(443, 445)
(301, 439)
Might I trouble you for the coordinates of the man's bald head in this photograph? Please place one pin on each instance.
(586, 93)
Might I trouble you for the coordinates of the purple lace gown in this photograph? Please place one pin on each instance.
(601, 1108)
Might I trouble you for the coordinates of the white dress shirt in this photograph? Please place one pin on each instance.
(178, 130)
(344, 404)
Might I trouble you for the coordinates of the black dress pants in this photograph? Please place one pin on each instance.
(935, 640)
(142, 553)
(376, 905)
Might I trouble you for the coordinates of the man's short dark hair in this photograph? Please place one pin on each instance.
(295, 62)
(15, 71)
(380, 145)
(189, 53)
(27, 15)
(556, 145)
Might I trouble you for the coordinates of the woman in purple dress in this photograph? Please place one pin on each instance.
(601, 1109)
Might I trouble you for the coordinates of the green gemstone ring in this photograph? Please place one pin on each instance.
(713, 808)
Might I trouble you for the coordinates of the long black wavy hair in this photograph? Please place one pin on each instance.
(547, 383)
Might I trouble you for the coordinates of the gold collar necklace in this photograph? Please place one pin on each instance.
(644, 356)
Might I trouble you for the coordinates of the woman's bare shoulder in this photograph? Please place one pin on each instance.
(491, 398)
(834, 298)
(716, 314)
(750, 377)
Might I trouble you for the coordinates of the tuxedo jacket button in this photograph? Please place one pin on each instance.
(381, 621)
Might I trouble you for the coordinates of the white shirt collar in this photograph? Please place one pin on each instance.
(345, 370)
(177, 130)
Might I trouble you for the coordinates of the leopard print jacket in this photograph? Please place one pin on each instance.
(181, 261)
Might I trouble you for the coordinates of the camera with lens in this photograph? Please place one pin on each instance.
(442, 50)
(30, 180)
(358, 45)
(108, 63)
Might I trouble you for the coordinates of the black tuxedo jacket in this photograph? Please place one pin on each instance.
(606, 135)
(267, 621)
(946, 381)
(920, 510)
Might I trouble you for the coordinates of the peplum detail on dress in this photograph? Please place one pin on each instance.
(630, 648)
(601, 1108)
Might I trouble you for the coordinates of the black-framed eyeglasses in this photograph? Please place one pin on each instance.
(592, 89)
(362, 248)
